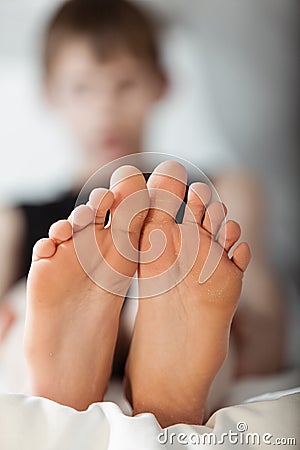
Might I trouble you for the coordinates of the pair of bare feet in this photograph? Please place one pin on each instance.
(75, 295)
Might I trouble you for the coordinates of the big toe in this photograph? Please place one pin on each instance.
(131, 203)
(167, 186)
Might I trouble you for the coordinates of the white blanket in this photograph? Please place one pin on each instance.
(29, 423)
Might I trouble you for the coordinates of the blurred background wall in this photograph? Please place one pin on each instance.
(234, 68)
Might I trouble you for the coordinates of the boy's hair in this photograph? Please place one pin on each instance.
(109, 26)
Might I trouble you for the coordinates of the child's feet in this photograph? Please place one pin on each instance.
(181, 336)
(72, 318)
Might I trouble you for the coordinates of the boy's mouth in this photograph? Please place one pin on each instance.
(112, 142)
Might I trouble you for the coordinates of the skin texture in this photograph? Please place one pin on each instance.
(72, 322)
(181, 336)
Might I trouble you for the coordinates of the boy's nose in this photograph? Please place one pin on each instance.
(105, 110)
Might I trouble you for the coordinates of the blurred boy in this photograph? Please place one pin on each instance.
(103, 74)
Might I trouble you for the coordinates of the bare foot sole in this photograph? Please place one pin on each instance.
(181, 335)
(72, 311)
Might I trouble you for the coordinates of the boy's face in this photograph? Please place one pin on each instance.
(106, 103)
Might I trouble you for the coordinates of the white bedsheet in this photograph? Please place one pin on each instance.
(30, 423)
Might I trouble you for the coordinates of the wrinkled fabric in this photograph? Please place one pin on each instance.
(32, 423)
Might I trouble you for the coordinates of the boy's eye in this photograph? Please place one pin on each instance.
(126, 85)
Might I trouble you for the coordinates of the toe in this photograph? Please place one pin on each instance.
(167, 186)
(241, 256)
(61, 231)
(131, 204)
(230, 233)
(81, 217)
(101, 200)
(214, 216)
(44, 248)
(198, 196)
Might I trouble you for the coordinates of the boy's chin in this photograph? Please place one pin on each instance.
(106, 154)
